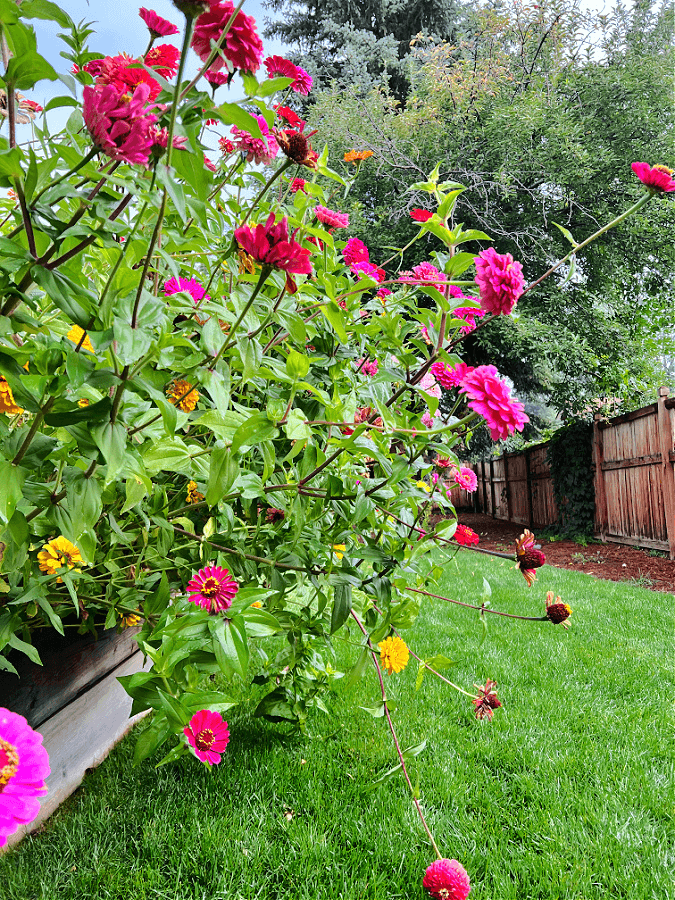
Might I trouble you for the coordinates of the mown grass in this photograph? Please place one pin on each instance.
(566, 795)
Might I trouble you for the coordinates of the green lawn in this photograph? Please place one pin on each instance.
(567, 795)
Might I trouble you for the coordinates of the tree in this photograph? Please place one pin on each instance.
(541, 122)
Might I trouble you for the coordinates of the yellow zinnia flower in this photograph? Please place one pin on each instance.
(75, 335)
(59, 553)
(130, 620)
(394, 654)
(7, 402)
(182, 394)
(423, 486)
(339, 550)
(193, 495)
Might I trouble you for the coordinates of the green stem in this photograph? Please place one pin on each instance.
(270, 181)
(264, 275)
(37, 421)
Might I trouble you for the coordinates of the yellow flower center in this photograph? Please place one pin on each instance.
(9, 763)
(660, 168)
(210, 587)
(205, 739)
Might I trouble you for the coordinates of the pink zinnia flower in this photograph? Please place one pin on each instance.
(656, 179)
(24, 765)
(119, 126)
(420, 215)
(382, 293)
(298, 184)
(164, 58)
(160, 139)
(190, 285)
(211, 166)
(469, 314)
(280, 67)
(331, 218)
(259, 150)
(361, 268)
(500, 280)
(208, 735)
(446, 879)
(355, 251)
(491, 398)
(367, 367)
(427, 420)
(242, 46)
(466, 478)
(448, 376)
(216, 79)
(425, 273)
(271, 245)
(157, 26)
(122, 72)
(465, 536)
(303, 82)
(429, 385)
(212, 588)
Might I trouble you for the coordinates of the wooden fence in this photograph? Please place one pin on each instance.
(634, 481)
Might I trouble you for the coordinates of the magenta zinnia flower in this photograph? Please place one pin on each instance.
(164, 58)
(331, 218)
(190, 285)
(448, 376)
(298, 184)
(367, 367)
(491, 398)
(208, 735)
(420, 215)
(271, 245)
(303, 82)
(258, 150)
(361, 268)
(24, 765)
(425, 273)
(355, 251)
(280, 67)
(655, 179)
(500, 280)
(212, 588)
(157, 26)
(242, 46)
(466, 478)
(446, 879)
(469, 314)
(429, 385)
(119, 125)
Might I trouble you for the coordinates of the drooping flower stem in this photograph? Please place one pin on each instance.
(399, 752)
(481, 609)
(619, 219)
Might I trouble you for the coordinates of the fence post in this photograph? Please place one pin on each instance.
(505, 457)
(528, 477)
(667, 476)
(492, 487)
(602, 519)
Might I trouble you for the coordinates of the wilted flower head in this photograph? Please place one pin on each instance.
(528, 557)
(557, 611)
(500, 281)
(296, 147)
(7, 402)
(274, 515)
(157, 26)
(491, 398)
(656, 179)
(242, 46)
(446, 879)
(486, 702)
(181, 394)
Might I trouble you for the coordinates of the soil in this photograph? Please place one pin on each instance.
(615, 562)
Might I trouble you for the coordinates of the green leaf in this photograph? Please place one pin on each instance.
(296, 427)
(230, 645)
(112, 442)
(223, 471)
(358, 670)
(408, 754)
(231, 114)
(44, 9)
(297, 365)
(30, 651)
(568, 235)
(334, 315)
(260, 623)
(11, 483)
(151, 738)
(342, 605)
(62, 291)
(252, 431)
(64, 413)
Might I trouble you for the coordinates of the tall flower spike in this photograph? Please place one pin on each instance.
(528, 557)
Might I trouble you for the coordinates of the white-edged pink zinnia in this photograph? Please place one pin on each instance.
(447, 879)
(491, 398)
(212, 588)
(208, 735)
(500, 281)
(24, 765)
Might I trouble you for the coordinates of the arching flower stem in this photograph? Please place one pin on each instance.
(481, 609)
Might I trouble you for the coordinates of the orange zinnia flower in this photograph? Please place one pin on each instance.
(357, 156)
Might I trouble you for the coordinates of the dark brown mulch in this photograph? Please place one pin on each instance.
(615, 562)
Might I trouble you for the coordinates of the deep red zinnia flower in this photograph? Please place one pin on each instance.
(420, 215)
(272, 246)
(242, 46)
(212, 588)
(656, 179)
(446, 879)
(490, 396)
(208, 735)
(465, 536)
(290, 117)
(500, 281)
(164, 58)
(157, 26)
(24, 765)
(528, 557)
(298, 184)
(280, 67)
(487, 701)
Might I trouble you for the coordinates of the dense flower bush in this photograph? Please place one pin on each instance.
(218, 416)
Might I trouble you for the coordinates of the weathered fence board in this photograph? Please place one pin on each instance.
(634, 480)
